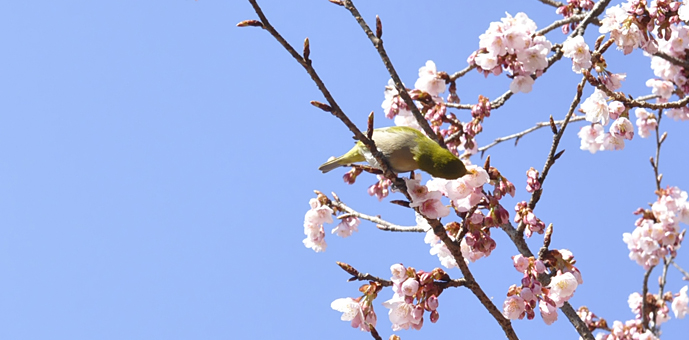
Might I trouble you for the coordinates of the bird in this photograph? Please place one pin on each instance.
(406, 149)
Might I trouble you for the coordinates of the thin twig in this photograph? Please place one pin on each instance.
(358, 276)
(380, 223)
(659, 142)
(560, 23)
(461, 73)
(521, 134)
(591, 17)
(378, 44)
(681, 270)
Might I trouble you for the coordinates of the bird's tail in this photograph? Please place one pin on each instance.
(350, 157)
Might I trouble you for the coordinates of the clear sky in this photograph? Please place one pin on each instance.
(157, 163)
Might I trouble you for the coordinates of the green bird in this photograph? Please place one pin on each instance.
(406, 149)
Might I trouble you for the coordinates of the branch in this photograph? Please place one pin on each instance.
(471, 283)
(357, 276)
(378, 44)
(591, 17)
(380, 223)
(519, 135)
(644, 303)
(461, 73)
(684, 272)
(631, 102)
(674, 60)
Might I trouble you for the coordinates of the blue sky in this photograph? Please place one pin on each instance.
(157, 163)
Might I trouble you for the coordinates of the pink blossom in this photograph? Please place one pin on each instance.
(399, 273)
(521, 84)
(432, 303)
(576, 49)
(313, 225)
(318, 214)
(562, 288)
(417, 191)
(592, 137)
(432, 207)
(476, 176)
(513, 307)
(532, 183)
(410, 286)
(613, 81)
(615, 109)
(315, 238)
(645, 122)
(627, 37)
(521, 263)
(534, 58)
(486, 61)
(347, 226)
(613, 142)
(352, 311)
(680, 304)
(548, 312)
(596, 107)
(683, 12)
(403, 314)
(661, 88)
(381, 189)
(393, 103)
(437, 246)
(681, 113)
(622, 127)
(429, 81)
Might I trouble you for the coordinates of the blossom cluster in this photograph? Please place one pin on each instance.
(633, 329)
(599, 113)
(360, 310)
(428, 201)
(655, 306)
(511, 44)
(414, 293)
(525, 215)
(319, 214)
(523, 301)
(669, 74)
(657, 233)
(629, 330)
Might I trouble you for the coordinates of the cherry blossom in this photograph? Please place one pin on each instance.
(596, 107)
(429, 80)
(576, 49)
(680, 304)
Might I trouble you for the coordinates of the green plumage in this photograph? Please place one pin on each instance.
(406, 149)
